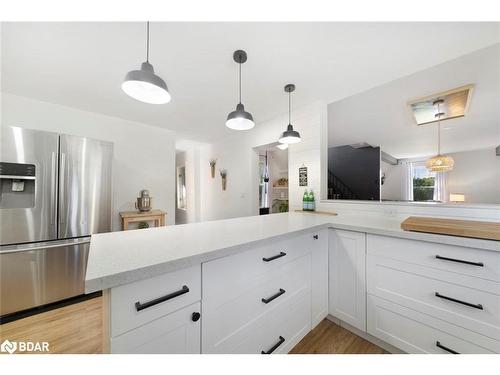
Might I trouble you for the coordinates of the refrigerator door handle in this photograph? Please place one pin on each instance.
(53, 189)
(44, 246)
(62, 192)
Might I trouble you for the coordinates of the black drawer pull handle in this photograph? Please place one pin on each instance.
(476, 306)
(438, 344)
(273, 297)
(141, 306)
(315, 236)
(281, 254)
(478, 264)
(275, 346)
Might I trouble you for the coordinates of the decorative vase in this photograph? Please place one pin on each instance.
(213, 162)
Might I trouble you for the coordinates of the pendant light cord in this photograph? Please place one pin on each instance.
(289, 108)
(240, 78)
(439, 130)
(147, 41)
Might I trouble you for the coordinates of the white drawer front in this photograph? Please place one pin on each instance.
(124, 309)
(473, 306)
(223, 317)
(414, 332)
(286, 324)
(175, 333)
(224, 279)
(479, 263)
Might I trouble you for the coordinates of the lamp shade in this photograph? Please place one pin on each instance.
(440, 163)
(240, 119)
(282, 146)
(289, 136)
(144, 85)
(455, 197)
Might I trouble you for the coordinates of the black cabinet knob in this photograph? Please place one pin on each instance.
(315, 236)
(195, 317)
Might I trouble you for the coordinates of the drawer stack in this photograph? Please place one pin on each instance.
(157, 315)
(258, 301)
(426, 297)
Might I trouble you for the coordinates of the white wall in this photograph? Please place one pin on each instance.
(477, 175)
(236, 154)
(144, 156)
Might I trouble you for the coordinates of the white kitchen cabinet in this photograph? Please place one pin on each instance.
(319, 276)
(176, 333)
(347, 288)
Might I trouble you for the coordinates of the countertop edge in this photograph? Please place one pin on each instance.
(126, 277)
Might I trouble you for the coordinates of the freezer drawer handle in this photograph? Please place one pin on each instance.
(273, 297)
(281, 254)
(479, 264)
(141, 306)
(476, 306)
(275, 346)
(438, 344)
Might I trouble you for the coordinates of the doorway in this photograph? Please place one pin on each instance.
(273, 179)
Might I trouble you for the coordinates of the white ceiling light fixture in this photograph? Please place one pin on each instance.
(240, 119)
(282, 146)
(439, 163)
(144, 85)
(289, 136)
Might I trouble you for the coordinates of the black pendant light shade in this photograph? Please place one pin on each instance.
(240, 119)
(289, 136)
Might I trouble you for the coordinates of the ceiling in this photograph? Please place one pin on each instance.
(381, 116)
(82, 65)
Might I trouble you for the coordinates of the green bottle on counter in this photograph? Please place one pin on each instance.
(305, 198)
(312, 203)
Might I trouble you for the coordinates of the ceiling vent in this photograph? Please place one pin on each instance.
(455, 104)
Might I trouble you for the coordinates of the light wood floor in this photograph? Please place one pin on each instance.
(73, 329)
(77, 329)
(330, 338)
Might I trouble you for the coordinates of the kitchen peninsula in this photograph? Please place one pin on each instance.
(260, 284)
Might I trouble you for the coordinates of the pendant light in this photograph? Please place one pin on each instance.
(439, 163)
(144, 85)
(289, 136)
(240, 119)
(282, 146)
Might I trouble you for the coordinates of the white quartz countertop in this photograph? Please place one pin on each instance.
(119, 258)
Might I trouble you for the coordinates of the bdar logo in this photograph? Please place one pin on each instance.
(8, 346)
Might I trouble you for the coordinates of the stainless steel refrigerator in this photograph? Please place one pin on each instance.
(55, 191)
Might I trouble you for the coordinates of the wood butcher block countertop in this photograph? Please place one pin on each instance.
(464, 228)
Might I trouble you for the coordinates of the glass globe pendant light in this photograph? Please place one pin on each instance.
(240, 119)
(144, 85)
(289, 136)
(439, 163)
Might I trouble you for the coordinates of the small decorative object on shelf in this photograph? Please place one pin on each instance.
(281, 182)
(143, 203)
(212, 167)
(143, 225)
(223, 175)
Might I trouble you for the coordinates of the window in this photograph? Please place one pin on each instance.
(424, 183)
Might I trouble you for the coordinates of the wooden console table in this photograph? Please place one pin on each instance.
(128, 217)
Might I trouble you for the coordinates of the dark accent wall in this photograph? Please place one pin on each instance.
(354, 173)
